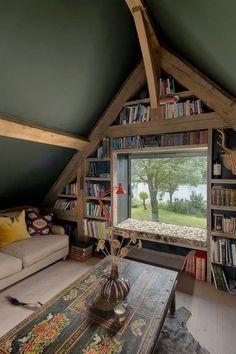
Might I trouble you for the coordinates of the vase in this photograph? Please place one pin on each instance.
(114, 288)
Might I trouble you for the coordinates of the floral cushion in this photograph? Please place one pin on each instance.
(38, 224)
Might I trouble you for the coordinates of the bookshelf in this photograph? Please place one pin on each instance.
(175, 102)
(222, 223)
(97, 179)
(66, 205)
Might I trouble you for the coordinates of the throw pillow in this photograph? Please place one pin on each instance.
(38, 224)
(13, 229)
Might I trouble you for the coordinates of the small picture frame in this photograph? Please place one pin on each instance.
(218, 222)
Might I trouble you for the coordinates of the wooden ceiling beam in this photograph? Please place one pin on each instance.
(12, 128)
(152, 67)
(131, 87)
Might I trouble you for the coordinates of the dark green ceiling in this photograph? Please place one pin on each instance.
(61, 62)
(203, 32)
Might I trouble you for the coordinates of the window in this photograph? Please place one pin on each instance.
(169, 188)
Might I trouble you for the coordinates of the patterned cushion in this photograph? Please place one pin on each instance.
(38, 224)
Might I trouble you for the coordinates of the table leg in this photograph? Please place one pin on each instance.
(172, 306)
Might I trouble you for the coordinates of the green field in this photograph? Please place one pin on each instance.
(168, 217)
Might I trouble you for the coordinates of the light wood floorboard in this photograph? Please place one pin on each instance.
(213, 320)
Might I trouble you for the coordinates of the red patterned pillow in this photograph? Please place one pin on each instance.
(38, 224)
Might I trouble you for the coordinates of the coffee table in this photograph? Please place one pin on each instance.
(72, 322)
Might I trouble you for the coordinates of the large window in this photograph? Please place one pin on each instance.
(170, 188)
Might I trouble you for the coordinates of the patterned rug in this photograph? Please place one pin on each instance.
(175, 338)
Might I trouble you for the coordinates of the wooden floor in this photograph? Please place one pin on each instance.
(213, 321)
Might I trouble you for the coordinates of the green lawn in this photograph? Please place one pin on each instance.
(168, 217)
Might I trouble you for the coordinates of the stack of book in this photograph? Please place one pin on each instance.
(134, 114)
(195, 264)
(223, 196)
(98, 169)
(70, 189)
(95, 189)
(96, 229)
(221, 281)
(223, 251)
(170, 108)
(174, 139)
(94, 209)
(104, 149)
(167, 86)
(65, 204)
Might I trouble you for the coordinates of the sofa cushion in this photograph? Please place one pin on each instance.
(38, 224)
(9, 265)
(36, 248)
(13, 229)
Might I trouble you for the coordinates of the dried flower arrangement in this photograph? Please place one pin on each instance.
(119, 249)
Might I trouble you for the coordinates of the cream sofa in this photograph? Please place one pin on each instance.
(23, 258)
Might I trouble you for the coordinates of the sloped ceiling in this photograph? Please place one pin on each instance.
(62, 61)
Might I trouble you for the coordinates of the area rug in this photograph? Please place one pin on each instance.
(175, 337)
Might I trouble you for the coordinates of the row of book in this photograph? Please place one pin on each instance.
(223, 251)
(221, 281)
(70, 189)
(134, 114)
(95, 189)
(94, 209)
(167, 86)
(180, 109)
(195, 264)
(65, 204)
(223, 196)
(104, 149)
(175, 139)
(98, 169)
(96, 229)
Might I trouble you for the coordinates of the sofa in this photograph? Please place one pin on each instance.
(22, 258)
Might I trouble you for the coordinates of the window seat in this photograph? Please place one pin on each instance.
(182, 236)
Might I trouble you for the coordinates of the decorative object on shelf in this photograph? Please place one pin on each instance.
(114, 288)
(217, 168)
(229, 155)
(119, 190)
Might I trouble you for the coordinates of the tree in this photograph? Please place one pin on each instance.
(153, 172)
(143, 196)
(166, 174)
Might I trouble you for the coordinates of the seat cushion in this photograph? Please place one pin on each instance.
(36, 248)
(9, 265)
(13, 229)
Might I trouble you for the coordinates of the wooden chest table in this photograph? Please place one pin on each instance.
(72, 323)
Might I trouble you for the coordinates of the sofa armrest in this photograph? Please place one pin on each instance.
(58, 230)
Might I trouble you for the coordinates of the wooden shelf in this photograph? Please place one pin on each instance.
(222, 234)
(181, 124)
(99, 159)
(98, 178)
(223, 181)
(69, 196)
(96, 198)
(95, 217)
(223, 207)
(224, 265)
(163, 148)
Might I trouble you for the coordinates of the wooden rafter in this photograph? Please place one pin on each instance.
(12, 128)
(152, 67)
(133, 84)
